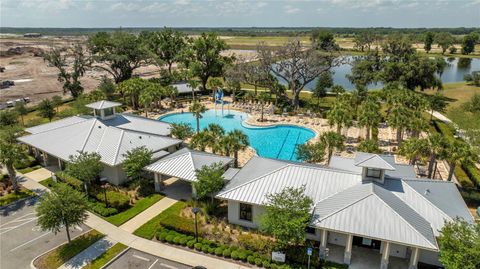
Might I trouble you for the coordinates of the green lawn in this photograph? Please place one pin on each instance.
(29, 169)
(47, 182)
(137, 208)
(65, 252)
(12, 197)
(106, 256)
(170, 218)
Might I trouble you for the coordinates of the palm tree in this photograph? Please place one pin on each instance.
(171, 92)
(197, 109)
(236, 140)
(132, 88)
(11, 153)
(263, 97)
(214, 83)
(368, 116)
(311, 152)
(146, 100)
(200, 141)
(332, 141)
(459, 152)
(414, 149)
(215, 133)
(193, 84)
(181, 131)
(370, 146)
(340, 114)
(437, 145)
(337, 90)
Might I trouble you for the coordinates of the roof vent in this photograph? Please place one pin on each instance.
(140, 136)
(427, 192)
(99, 126)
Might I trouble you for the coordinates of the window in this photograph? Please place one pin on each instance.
(310, 230)
(375, 173)
(98, 112)
(108, 111)
(246, 212)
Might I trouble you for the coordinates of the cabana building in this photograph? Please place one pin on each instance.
(107, 133)
(364, 203)
(183, 165)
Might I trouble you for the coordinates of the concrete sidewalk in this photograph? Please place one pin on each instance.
(117, 234)
(89, 254)
(142, 218)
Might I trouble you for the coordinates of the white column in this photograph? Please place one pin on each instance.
(414, 259)
(385, 255)
(158, 182)
(60, 164)
(194, 191)
(348, 250)
(323, 243)
(45, 159)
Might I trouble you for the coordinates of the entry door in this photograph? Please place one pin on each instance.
(366, 242)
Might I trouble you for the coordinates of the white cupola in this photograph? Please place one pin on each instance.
(373, 166)
(104, 109)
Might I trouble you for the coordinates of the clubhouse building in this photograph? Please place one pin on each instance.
(368, 202)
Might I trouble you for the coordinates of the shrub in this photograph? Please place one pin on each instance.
(162, 236)
(28, 162)
(72, 181)
(115, 199)
(198, 246)
(191, 243)
(242, 255)
(472, 173)
(226, 253)
(266, 263)
(183, 241)
(100, 209)
(235, 255)
(205, 248)
(219, 251)
(176, 239)
(169, 238)
(258, 262)
(211, 250)
(251, 259)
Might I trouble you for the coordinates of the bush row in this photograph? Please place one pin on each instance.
(27, 162)
(472, 173)
(72, 181)
(229, 252)
(100, 208)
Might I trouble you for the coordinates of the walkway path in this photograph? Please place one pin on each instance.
(117, 234)
(42, 173)
(89, 254)
(440, 116)
(142, 218)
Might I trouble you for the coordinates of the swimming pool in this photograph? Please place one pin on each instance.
(279, 142)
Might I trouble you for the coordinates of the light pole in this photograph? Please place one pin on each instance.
(104, 186)
(195, 210)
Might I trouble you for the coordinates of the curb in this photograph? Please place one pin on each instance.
(34, 259)
(116, 257)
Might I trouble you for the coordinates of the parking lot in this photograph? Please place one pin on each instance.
(21, 239)
(133, 258)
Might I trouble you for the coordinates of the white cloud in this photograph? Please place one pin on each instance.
(289, 9)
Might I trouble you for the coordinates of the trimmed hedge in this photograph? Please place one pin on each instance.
(72, 181)
(473, 173)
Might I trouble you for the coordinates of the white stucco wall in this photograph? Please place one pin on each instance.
(115, 175)
(234, 215)
(429, 257)
(337, 238)
(317, 236)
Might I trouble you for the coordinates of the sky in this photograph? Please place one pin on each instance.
(240, 13)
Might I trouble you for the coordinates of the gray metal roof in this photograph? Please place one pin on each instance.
(230, 173)
(57, 124)
(183, 88)
(103, 104)
(348, 164)
(372, 211)
(92, 135)
(184, 163)
(139, 124)
(400, 210)
(372, 161)
(254, 186)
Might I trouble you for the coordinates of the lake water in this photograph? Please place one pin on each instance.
(454, 71)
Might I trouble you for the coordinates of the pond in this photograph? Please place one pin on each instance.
(454, 71)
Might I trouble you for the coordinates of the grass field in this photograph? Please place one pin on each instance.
(12, 197)
(136, 209)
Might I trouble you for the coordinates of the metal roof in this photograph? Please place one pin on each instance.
(184, 88)
(348, 164)
(406, 211)
(139, 124)
(103, 104)
(57, 124)
(92, 135)
(320, 182)
(230, 173)
(372, 161)
(370, 210)
(184, 163)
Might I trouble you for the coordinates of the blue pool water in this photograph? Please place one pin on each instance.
(277, 142)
